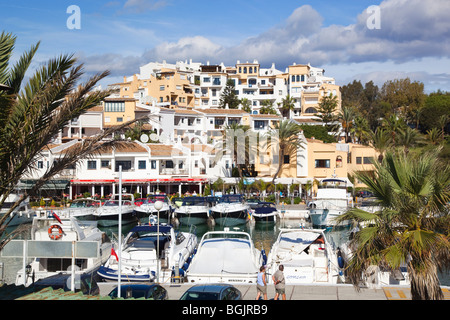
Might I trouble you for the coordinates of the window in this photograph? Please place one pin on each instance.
(126, 165)
(358, 160)
(40, 164)
(207, 79)
(161, 88)
(250, 70)
(105, 164)
(286, 159)
(338, 162)
(259, 124)
(311, 110)
(322, 163)
(245, 69)
(153, 164)
(92, 165)
(119, 119)
(142, 164)
(169, 164)
(368, 160)
(115, 106)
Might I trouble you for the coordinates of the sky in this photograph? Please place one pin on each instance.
(365, 40)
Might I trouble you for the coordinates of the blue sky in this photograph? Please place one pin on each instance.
(121, 35)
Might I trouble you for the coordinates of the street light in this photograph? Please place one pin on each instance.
(158, 206)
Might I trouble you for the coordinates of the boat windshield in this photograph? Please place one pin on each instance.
(153, 199)
(84, 204)
(231, 198)
(195, 201)
(115, 203)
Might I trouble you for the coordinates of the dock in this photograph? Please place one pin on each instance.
(302, 292)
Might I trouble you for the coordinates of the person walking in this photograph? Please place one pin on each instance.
(280, 284)
(261, 285)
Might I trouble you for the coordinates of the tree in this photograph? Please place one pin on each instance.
(246, 105)
(267, 107)
(405, 97)
(32, 116)
(229, 97)
(327, 108)
(346, 117)
(381, 141)
(287, 105)
(412, 226)
(361, 130)
(284, 137)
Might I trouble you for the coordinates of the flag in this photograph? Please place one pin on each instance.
(113, 252)
(56, 217)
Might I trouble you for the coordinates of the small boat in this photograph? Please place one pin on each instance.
(225, 256)
(230, 211)
(22, 214)
(193, 210)
(53, 240)
(140, 258)
(83, 209)
(332, 200)
(265, 212)
(307, 257)
(147, 208)
(108, 214)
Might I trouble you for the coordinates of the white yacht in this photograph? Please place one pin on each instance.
(141, 259)
(83, 208)
(332, 200)
(231, 211)
(54, 238)
(108, 214)
(22, 214)
(193, 210)
(147, 208)
(225, 256)
(307, 257)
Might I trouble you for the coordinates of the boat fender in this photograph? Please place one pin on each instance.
(340, 259)
(185, 266)
(55, 232)
(264, 256)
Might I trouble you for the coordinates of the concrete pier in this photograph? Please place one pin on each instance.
(302, 292)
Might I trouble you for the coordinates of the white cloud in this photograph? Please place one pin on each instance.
(410, 30)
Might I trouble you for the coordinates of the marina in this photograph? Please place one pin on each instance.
(264, 238)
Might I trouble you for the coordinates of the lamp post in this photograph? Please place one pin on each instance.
(158, 206)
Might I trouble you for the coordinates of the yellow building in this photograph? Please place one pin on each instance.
(118, 110)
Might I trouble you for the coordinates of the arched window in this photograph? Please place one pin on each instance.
(311, 110)
(245, 69)
(338, 162)
(250, 70)
(298, 78)
(303, 78)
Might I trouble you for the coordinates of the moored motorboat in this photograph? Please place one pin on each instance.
(332, 200)
(108, 214)
(193, 210)
(21, 214)
(83, 209)
(147, 208)
(307, 257)
(265, 212)
(54, 239)
(231, 210)
(141, 260)
(225, 256)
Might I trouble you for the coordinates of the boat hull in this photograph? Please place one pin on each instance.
(326, 217)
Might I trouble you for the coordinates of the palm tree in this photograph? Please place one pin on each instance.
(346, 117)
(33, 113)
(412, 226)
(236, 138)
(381, 141)
(262, 187)
(361, 130)
(287, 104)
(285, 137)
